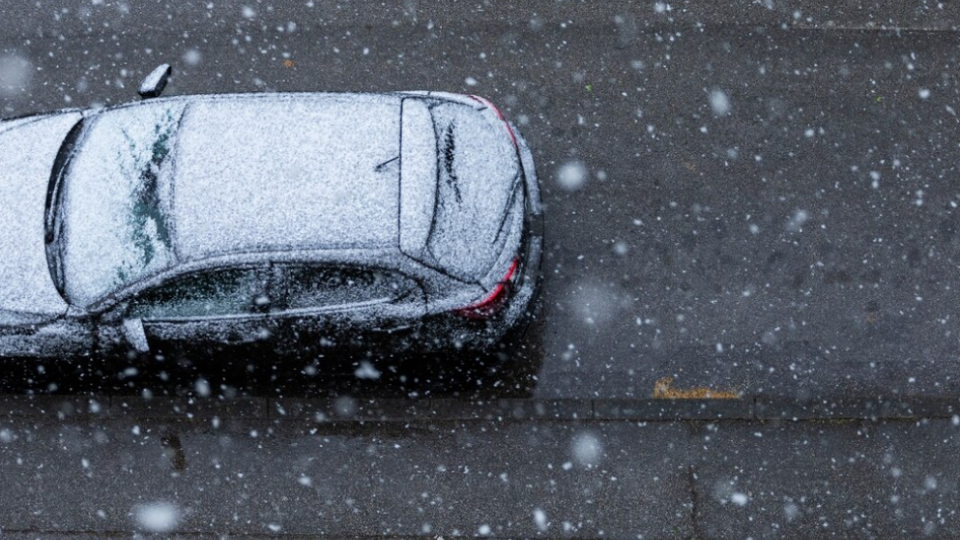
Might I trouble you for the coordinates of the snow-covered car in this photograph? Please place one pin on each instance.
(303, 221)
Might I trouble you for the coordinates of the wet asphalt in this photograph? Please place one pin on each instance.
(768, 213)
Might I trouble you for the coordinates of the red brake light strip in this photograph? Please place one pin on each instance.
(496, 290)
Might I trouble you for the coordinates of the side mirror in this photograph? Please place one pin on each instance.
(135, 335)
(154, 83)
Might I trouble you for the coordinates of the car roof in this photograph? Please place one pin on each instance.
(286, 171)
(174, 180)
(170, 181)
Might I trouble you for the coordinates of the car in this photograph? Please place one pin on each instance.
(299, 222)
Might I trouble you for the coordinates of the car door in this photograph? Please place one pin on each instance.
(330, 308)
(202, 313)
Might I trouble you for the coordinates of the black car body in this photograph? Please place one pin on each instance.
(296, 222)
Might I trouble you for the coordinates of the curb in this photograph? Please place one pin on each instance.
(348, 409)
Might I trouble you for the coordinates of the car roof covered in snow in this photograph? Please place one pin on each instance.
(254, 173)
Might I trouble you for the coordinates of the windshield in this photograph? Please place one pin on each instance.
(114, 207)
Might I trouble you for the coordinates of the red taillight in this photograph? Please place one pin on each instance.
(499, 115)
(493, 301)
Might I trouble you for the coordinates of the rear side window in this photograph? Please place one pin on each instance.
(217, 293)
(319, 287)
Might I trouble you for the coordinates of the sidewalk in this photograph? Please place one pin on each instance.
(266, 468)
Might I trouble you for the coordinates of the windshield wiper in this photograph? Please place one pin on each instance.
(52, 217)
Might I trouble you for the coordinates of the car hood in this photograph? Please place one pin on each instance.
(28, 148)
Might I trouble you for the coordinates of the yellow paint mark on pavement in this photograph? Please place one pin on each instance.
(663, 389)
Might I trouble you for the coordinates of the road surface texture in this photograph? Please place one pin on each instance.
(748, 325)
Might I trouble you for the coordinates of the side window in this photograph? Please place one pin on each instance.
(310, 287)
(203, 294)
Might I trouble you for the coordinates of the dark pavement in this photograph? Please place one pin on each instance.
(804, 243)
(258, 468)
(769, 213)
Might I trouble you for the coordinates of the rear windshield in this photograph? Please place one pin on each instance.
(478, 170)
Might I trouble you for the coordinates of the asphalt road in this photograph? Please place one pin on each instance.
(769, 211)
(798, 235)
